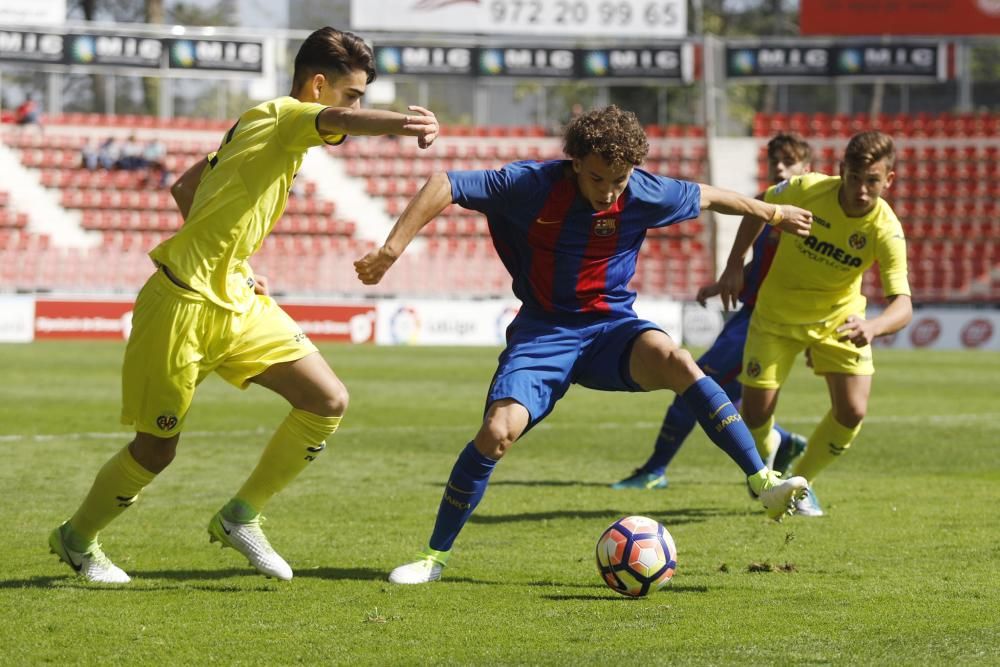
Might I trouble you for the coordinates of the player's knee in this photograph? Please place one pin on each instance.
(495, 438)
(680, 369)
(333, 402)
(850, 414)
(153, 453)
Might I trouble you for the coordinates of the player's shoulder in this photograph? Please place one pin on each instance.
(644, 184)
(536, 166)
(533, 171)
(811, 184)
(885, 218)
(279, 107)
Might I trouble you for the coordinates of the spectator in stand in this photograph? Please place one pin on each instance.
(130, 158)
(90, 154)
(107, 153)
(154, 154)
(28, 113)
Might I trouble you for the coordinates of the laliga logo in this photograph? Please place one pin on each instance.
(389, 60)
(405, 326)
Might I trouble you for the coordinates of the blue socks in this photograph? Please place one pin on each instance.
(723, 424)
(677, 426)
(465, 489)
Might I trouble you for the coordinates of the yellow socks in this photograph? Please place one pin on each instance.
(299, 440)
(767, 440)
(827, 442)
(114, 490)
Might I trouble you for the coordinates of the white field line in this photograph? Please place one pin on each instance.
(977, 418)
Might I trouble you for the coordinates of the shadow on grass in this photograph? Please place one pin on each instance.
(352, 573)
(546, 482)
(603, 595)
(148, 581)
(669, 517)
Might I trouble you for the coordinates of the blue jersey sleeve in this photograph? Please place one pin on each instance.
(488, 191)
(666, 200)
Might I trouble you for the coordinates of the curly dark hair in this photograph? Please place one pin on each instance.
(610, 133)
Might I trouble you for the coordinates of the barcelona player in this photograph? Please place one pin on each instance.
(787, 156)
(812, 301)
(204, 310)
(569, 232)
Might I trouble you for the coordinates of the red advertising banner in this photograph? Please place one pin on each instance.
(83, 319)
(349, 324)
(113, 320)
(899, 17)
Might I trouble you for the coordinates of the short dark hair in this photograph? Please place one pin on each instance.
(333, 53)
(610, 133)
(790, 146)
(867, 148)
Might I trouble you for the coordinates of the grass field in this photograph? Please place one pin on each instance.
(902, 571)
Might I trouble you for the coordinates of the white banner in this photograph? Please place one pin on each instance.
(946, 329)
(439, 322)
(702, 324)
(17, 319)
(36, 12)
(668, 314)
(580, 18)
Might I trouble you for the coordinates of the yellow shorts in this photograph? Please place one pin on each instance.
(179, 337)
(771, 349)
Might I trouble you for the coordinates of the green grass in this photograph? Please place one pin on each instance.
(904, 570)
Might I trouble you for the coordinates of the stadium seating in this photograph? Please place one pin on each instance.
(131, 210)
(946, 193)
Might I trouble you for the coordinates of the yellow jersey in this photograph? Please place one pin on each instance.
(242, 193)
(818, 278)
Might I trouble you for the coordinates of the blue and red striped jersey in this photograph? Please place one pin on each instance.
(764, 248)
(563, 256)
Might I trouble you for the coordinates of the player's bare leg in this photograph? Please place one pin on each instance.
(319, 400)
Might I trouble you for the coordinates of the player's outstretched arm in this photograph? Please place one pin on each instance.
(785, 217)
(421, 124)
(184, 187)
(433, 198)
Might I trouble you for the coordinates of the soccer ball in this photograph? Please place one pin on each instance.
(636, 556)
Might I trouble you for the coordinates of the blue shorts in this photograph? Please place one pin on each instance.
(544, 357)
(724, 360)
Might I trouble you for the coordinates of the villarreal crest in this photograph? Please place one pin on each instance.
(605, 226)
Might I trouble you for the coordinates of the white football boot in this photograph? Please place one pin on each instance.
(808, 505)
(249, 540)
(777, 495)
(91, 564)
(423, 571)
